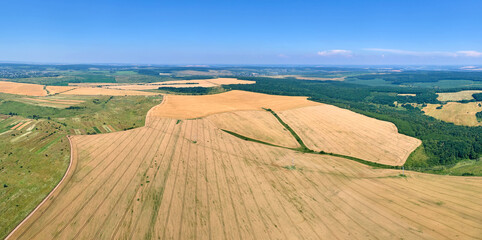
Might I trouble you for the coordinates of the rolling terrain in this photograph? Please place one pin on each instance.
(457, 96)
(455, 112)
(181, 177)
(34, 149)
(332, 129)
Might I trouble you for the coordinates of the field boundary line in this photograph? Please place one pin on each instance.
(95, 193)
(68, 173)
(49, 221)
(149, 113)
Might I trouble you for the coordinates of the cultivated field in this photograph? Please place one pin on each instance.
(58, 89)
(22, 88)
(104, 91)
(34, 154)
(189, 180)
(50, 102)
(332, 129)
(456, 96)
(457, 113)
(186, 107)
(181, 84)
(260, 125)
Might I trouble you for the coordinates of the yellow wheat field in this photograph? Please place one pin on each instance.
(188, 179)
(333, 129)
(104, 91)
(457, 113)
(22, 88)
(185, 107)
(181, 84)
(260, 125)
(457, 96)
(58, 89)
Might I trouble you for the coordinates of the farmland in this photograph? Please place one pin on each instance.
(187, 179)
(309, 78)
(332, 129)
(58, 89)
(180, 84)
(225, 159)
(186, 107)
(104, 91)
(322, 127)
(41, 90)
(456, 96)
(34, 150)
(457, 113)
(22, 88)
(259, 125)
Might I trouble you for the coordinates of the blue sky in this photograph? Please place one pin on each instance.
(242, 32)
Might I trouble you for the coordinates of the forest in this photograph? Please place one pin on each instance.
(423, 76)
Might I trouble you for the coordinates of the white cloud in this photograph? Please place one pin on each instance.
(470, 53)
(427, 54)
(396, 51)
(335, 52)
(411, 53)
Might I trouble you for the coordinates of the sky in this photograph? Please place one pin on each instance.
(342, 32)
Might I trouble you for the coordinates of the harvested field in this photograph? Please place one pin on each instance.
(456, 96)
(23, 125)
(186, 107)
(336, 130)
(56, 100)
(189, 180)
(182, 84)
(260, 125)
(22, 88)
(457, 113)
(107, 128)
(407, 94)
(50, 102)
(58, 89)
(104, 91)
(17, 125)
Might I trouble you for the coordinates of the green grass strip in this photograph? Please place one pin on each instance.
(49, 144)
(96, 130)
(305, 149)
(254, 140)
